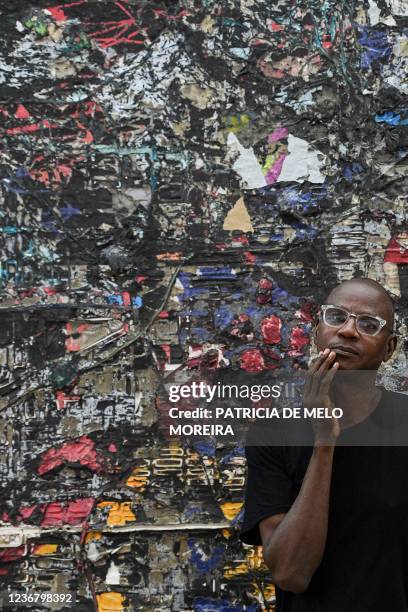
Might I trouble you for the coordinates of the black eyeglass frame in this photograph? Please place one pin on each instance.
(382, 322)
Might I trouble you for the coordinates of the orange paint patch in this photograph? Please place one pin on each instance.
(92, 535)
(110, 602)
(45, 549)
(169, 256)
(119, 513)
(231, 509)
(138, 479)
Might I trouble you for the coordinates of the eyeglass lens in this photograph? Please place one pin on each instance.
(364, 323)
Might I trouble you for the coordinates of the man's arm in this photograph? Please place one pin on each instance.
(294, 542)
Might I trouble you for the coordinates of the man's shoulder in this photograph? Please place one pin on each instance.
(389, 423)
(396, 401)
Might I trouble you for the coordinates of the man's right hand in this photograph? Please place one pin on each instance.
(316, 394)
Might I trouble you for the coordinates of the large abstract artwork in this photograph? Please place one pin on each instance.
(181, 182)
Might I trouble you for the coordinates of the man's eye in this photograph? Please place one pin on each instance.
(369, 325)
(336, 316)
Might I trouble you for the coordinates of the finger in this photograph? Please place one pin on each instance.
(319, 360)
(327, 380)
(318, 376)
(326, 363)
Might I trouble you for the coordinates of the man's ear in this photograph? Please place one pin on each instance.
(390, 347)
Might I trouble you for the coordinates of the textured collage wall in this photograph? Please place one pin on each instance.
(181, 183)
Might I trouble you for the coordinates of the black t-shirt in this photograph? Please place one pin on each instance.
(365, 563)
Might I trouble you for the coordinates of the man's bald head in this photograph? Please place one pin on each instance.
(384, 300)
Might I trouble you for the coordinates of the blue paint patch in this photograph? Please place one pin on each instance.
(391, 118)
(205, 447)
(204, 604)
(195, 312)
(303, 202)
(116, 299)
(353, 172)
(201, 333)
(221, 273)
(202, 564)
(304, 232)
(376, 46)
(239, 451)
(223, 316)
(11, 229)
(69, 211)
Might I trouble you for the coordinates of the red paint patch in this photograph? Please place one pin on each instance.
(250, 257)
(74, 513)
(252, 360)
(12, 554)
(57, 13)
(270, 329)
(397, 252)
(275, 27)
(264, 293)
(22, 112)
(62, 399)
(82, 451)
(26, 511)
(88, 138)
(73, 344)
(299, 338)
(307, 312)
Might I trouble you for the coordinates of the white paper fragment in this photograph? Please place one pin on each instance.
(302, 163)
(93, 554)
(395, 73)
(246, 164)
(113, 574)
(373, 13)
(240, 52)
(398, 7)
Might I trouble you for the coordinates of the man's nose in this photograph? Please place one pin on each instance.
(349, 329)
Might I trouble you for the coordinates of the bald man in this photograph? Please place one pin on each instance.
(332, 518)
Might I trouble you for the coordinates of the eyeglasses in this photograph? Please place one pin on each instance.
(369, 325)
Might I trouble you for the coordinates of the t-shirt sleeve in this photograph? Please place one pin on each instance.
(268, 489)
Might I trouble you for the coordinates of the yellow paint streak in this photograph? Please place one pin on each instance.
(110, 602)
(236, 570)
(46, 549)
(236, 123)
(231, 509)
(255, 558)
(268, 592)
(119, 513)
